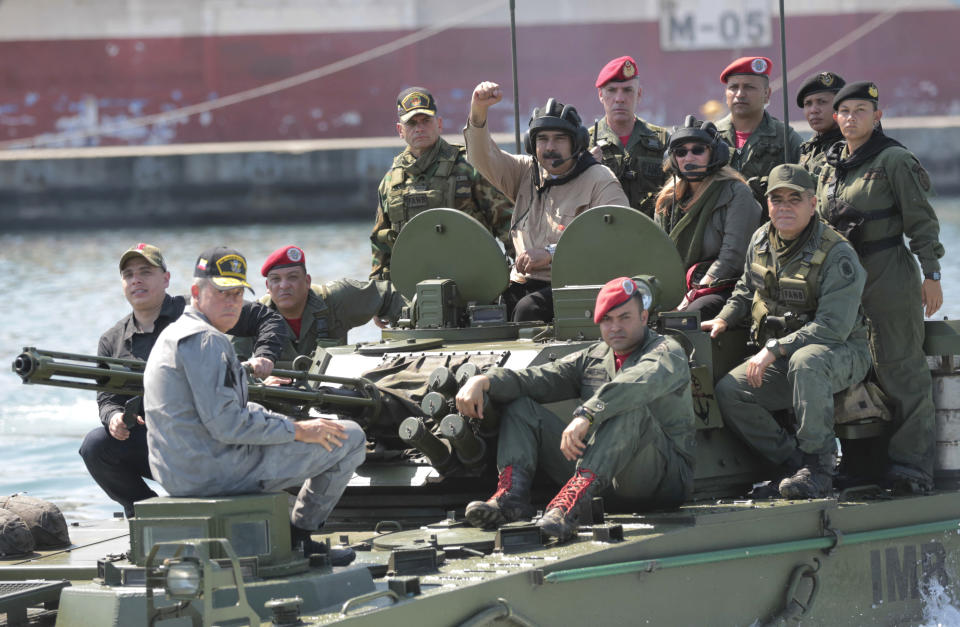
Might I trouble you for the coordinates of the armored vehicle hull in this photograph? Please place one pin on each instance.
(864, 557)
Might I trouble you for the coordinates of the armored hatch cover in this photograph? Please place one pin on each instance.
(449, 244)
(605, 242)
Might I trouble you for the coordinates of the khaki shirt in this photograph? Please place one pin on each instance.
(538, 217)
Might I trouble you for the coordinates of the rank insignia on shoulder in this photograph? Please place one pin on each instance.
(846, 269)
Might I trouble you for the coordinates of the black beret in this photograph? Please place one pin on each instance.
(862, 90)
(824, 81)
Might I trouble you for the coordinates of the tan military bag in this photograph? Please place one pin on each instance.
(860, 401)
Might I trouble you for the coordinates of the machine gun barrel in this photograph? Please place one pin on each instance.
(125, 376)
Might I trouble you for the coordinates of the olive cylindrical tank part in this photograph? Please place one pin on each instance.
(415, 433)
(435, 405)
(489, 425)
(442, 380)
(470, 449)
(466, 371)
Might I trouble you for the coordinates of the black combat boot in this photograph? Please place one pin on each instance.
(338, 556)
(510, 502)
(813, 481)
(562, 516)
(904, 479)
(771, 489)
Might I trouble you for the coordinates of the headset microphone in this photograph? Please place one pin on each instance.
(559, 162)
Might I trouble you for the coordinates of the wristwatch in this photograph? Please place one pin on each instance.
(773, 345)
(933, 276)
(583, 412)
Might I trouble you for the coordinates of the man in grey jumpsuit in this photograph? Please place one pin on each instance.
(205, 439)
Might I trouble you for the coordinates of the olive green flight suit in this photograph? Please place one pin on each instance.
(440, 177)
(638, 165)
(332, 309)
(893, 189)
(822, 283)
(813, 152)
(762, 152)
(641, 443)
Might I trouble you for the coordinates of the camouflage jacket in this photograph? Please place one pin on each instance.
(332, 309)
(638, 165)
(813, 152)
(440, 177)
(762, 152)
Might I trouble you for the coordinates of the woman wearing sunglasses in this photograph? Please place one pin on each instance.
(709, 212)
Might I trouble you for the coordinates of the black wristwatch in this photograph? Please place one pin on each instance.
(933, 276)
(773, 345)
(583, 412)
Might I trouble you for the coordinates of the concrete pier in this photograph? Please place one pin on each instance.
(283, 181)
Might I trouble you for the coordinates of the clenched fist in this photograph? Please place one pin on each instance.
(485, 95)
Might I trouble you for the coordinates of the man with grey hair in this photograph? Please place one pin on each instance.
(205, 439)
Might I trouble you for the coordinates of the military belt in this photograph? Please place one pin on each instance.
(875, 246)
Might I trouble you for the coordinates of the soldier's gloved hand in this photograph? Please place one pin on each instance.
(323, 431)
(715, 326)
(470, 397)
(117, 429)
(485, 95)
(571, 440)
(261, 366)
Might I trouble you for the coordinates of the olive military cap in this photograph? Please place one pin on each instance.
(791, 176)
(150, 254)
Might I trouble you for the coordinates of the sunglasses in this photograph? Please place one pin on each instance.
(697, 150)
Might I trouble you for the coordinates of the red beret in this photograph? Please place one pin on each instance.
(620, 69)
(284, 257)
(758, 66)
(613, 294)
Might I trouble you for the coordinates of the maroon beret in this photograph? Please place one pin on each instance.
(620, 69)
(613, 294)
(284, 257)
(757, 66)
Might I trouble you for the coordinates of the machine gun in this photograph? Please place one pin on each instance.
(356, 398)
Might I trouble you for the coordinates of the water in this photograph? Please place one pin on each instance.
(62, 290)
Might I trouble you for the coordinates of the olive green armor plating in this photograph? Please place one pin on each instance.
(638, 165)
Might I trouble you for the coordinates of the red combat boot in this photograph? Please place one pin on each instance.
(510, 502)
(562, 517)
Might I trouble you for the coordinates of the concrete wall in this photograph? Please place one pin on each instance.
(299, 181)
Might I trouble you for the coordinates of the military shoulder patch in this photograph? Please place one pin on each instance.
(921, 175)
(847, 270)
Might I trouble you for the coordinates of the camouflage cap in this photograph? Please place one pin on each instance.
(151, 254)
(791, 176)
(225, 267)
(413, 101)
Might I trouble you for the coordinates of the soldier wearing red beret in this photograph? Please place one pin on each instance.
(630, 439)
(319, 315)
(631, 147)
(755, 136)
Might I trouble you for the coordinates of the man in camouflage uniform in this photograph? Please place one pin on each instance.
(816, 99)
(319, 315)
(874, 191)
(755, 136)
(632, 148)
(801, 286)
(431, 173)
(631, 438)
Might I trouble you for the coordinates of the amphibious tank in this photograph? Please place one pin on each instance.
(863, 557)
